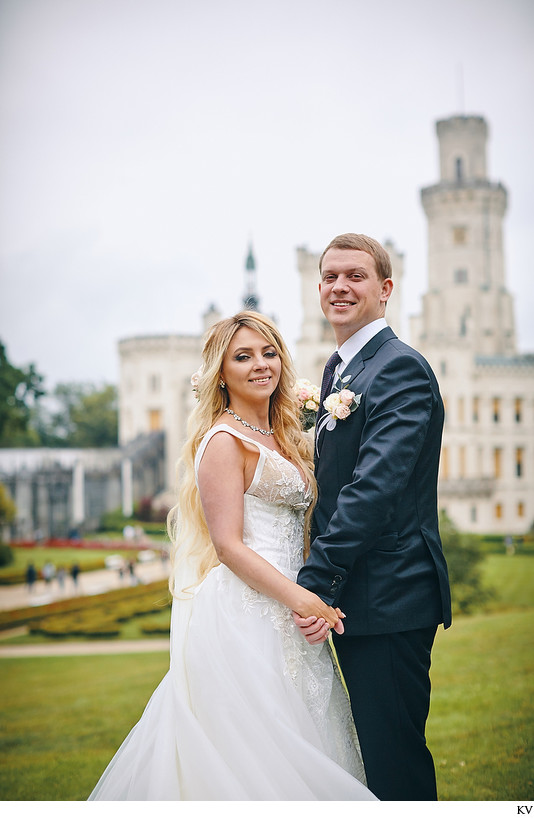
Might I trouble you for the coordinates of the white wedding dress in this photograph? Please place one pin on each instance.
(248, 710)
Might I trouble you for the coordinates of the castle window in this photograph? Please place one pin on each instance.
(520, 509)
(462, 461)
(154, 383)
(459, 235)
(460, 276)
(473, 514)
(443, 367)
(497, 462)
(444, 464)
(476, 409)
(154, 420)
(518, 408)
(496, 410)
(498, 510)
(519, 465)
(459, 166)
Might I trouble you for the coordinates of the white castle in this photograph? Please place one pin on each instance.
(466, 331)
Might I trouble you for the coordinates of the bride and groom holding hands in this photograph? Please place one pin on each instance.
(275, 552)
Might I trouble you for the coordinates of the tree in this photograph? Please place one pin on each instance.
(464, 559)
(79, 415)
(95, 419)
(20, 389)
(8, 509)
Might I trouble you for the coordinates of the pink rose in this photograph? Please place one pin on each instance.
(342, 411)
(346, 397)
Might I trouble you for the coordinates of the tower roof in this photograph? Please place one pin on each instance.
(250, 300)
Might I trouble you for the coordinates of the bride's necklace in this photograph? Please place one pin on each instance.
(251, 426)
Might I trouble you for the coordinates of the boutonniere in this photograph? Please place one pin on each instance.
(339, 405)
(308, 397)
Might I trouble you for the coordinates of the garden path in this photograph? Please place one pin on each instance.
(96, 582)
(93, 647)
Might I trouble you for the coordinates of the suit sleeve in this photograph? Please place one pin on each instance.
(398, 407)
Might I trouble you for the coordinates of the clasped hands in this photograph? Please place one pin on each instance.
(316, 629)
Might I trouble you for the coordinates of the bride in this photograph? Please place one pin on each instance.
(248, 709)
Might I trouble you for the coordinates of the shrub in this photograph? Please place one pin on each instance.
(157, 593)
(81, 624)
(464, 559)
(6, 555)
(155, 625)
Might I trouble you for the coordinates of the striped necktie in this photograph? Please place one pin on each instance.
(328, 377)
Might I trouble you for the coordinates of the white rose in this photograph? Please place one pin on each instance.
(331, 402)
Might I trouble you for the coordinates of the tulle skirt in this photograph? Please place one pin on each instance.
(247, 711)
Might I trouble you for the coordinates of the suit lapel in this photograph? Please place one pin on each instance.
(354, 368)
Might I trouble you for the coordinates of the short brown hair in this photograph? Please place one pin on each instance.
(358, 241)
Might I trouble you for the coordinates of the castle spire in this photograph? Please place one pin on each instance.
(250, 299)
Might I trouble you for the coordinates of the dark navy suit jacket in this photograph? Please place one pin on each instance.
(376, 551)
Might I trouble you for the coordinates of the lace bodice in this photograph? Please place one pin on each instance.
(274, 505)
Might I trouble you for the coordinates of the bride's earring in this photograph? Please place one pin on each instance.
(222, 385)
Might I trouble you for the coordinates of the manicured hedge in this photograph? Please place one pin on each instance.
(77, 624)
(123, 603)
(156, 625)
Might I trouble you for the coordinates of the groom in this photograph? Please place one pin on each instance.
(376, 551)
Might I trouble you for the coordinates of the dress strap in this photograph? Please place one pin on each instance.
(226, 428)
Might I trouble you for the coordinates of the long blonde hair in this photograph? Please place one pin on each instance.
(186, 522)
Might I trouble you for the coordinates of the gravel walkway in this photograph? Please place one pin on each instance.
(94, 647)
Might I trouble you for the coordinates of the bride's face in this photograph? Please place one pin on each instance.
(251, 367)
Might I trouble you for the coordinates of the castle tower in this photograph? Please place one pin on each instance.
(467, 304)
(467, 333)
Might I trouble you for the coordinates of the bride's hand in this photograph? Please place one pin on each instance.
(309, 604)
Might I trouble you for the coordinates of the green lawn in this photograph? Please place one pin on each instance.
(61, 719)
(512, 578)
(482, 714)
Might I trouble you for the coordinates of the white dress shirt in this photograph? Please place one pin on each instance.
(356, 342)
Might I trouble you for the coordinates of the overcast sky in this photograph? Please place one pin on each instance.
(145, 143)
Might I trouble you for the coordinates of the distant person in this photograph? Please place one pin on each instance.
(75, 573)
(128, 532)
(134, 580)
(49, 572)
(31, 576)
(61, 575)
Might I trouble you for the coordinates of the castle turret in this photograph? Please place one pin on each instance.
(467, 304)
(466, 331)
(250, 300)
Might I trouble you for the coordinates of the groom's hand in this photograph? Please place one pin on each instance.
(316, 630)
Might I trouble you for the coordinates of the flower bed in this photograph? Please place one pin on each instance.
(119, 603)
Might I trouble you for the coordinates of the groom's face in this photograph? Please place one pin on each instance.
(352, 294)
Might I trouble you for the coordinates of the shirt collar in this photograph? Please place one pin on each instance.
(358, 340)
